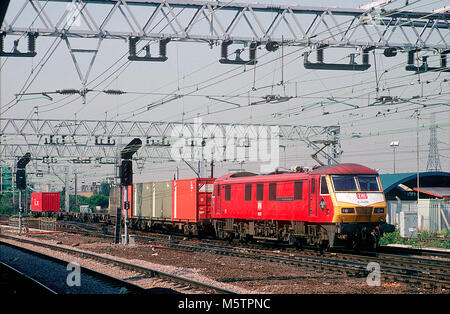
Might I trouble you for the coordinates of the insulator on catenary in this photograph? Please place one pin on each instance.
(390, 52)
(113, 92)
(132, 45)
(411, 55)
(163, 47)
(32, 42)
(320, 53)
(1, 41)
(272, 46)
(365, 54)
(224, 49)
(252, 50)
(68, 91)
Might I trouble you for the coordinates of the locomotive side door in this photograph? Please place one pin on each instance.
(218, 199)
(312, 212)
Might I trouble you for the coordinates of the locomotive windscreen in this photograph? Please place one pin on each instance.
(355, 183)
(368, 183)
(344, 183)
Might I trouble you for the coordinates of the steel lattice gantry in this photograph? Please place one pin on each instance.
(219, 23)
(240, 22)
(89, 141)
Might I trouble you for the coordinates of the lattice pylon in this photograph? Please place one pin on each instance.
(433, 164)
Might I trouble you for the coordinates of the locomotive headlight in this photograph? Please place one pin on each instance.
(347, 210)
(378, 210)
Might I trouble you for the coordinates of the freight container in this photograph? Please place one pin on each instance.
(137, 200)
(153, 200)
(191, 200)
(45, 202)
(114, 200)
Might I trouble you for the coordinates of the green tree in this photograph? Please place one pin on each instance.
(105, 188)
(98, 200)
(6, 204)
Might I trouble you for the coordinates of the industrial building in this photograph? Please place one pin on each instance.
(432, 205)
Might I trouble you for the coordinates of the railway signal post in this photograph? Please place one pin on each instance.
(21, 182)
(126, 178)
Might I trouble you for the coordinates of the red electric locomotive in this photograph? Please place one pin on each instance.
(328, 206)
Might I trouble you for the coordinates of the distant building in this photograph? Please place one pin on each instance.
(86, 194)
(403, 186)
(433, 207)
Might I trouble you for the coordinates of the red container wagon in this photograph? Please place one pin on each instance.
(191, 199)
(45, 202)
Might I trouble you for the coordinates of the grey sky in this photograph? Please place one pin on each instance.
(366, 132)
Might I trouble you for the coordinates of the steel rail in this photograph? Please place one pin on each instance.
(150, 272)
(424, 264)
(29, 281)
(354, 267)
(105, 278)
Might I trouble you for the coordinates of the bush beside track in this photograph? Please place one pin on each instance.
(424, 239)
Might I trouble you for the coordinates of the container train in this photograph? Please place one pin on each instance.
(330, 206)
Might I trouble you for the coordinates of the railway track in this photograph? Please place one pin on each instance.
(426, 272)
(178, 282)
(14, 281)
(431, 273)
(51, 274)
(413, 251)
(88, 229)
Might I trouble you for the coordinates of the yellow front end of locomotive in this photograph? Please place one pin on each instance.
(357, 198)
(346, 212)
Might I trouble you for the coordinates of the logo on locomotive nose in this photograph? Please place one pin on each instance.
(322, 204)
(361, 196)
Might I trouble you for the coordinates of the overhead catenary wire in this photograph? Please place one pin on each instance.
(225, 4)
(138, 109)
(126, 64)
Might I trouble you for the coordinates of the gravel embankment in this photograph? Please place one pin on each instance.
(242, 275)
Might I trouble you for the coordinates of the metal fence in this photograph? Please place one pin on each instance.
(47, 224)
(433, 214)
(42, 223)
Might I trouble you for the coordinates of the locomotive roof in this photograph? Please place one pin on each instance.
(341, 169)
(347, 168)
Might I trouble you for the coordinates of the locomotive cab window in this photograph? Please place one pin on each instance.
(323, 185)
(272, 191)
(363, 183)
(298, 190)
(344, 183)
(259, 192)
(368, 183)
(248, 192)
(228, 192)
